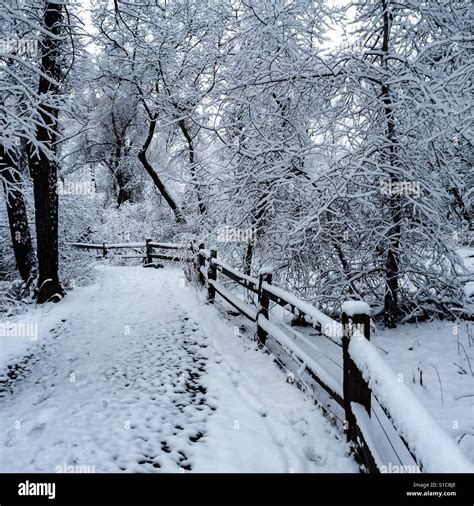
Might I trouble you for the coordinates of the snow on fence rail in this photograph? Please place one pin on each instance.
(386, 424)
(324, 324)
(109, 246)
(164, 245)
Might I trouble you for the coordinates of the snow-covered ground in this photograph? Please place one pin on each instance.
(436, 360)
(135, 373)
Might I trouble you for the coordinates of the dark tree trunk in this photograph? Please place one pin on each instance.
(44, 168)
(391, 311)
(392, 273)
(122, 180)
(17, 216)
(257, 220)
(192, 165)
(122, 192)
(248, 258)
(154, 176)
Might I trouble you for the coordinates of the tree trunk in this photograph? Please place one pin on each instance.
(256, 229)
(123, 192)
(391, 311)
(192, 165)
(248, 257)
(17, 217)
(44, 168)
(154, 176)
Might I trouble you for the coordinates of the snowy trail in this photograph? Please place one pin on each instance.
(140, 376)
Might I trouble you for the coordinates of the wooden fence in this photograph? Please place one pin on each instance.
(377, 431)
(149, 254)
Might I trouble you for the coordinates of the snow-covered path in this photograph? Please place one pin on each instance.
(138, 375)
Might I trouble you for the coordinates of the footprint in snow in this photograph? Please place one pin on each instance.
(37, 430)
(313, 456)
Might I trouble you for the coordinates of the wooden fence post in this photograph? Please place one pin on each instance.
(264, 302)
(104, 250)
(212, 275)
(149, 249)
(355, 388)
(201, 264)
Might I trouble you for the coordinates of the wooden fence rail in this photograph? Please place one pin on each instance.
(149, 247)
(377, 430)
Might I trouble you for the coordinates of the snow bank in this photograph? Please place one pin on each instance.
(433, 447)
